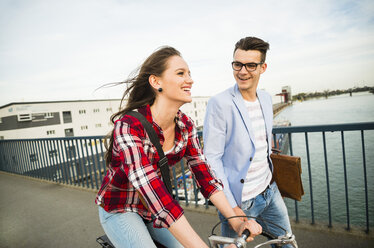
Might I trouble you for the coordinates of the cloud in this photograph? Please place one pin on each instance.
(55, 50)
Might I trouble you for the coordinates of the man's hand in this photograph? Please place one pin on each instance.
(253, 227)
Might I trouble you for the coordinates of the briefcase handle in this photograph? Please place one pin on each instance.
(276, 151)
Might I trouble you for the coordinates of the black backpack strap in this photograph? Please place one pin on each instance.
(163, 162)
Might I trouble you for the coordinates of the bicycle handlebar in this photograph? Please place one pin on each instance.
(241, 241)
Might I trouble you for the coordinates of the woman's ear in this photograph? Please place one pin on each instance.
(154, 81)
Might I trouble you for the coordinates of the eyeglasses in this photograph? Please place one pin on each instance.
(237, 66)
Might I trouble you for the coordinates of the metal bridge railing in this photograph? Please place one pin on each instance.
(80, 161)
(323, 129)
(71, 160)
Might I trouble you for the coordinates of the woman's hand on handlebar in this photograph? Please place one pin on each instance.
(231, 246)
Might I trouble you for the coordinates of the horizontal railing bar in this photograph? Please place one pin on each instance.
(289, 129)
(57, 138)
(325, 128)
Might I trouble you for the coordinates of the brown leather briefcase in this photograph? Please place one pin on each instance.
(287, 174)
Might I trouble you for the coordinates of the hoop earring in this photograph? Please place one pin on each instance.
(159, 89)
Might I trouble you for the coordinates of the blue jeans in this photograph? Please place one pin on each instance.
(268, 206)
(127, 230)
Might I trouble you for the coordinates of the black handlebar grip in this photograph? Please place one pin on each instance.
(240, 241)
(246, 234)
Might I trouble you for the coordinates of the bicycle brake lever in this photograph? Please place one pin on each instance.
(285, 239)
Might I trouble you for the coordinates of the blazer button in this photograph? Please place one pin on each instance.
(242, 180)
(250, 159)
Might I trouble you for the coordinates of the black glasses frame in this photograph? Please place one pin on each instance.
(247, 66)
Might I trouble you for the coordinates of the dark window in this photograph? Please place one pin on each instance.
(69, 132)
(66, 115)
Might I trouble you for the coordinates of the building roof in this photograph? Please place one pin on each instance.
(22, 103)
(92, 100)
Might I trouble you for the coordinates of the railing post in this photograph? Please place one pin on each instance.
(103, 154)
(327, 178)
(175, 184)
(27, 167)
(310, 177)
(16, 158)
(94, 165)
(84, 164)
(68, 161)
(98, 160)
(12, 158)
(73, 159)
(291, 153)
(39, 159)
(196, 192)
(89, 162)
(57, 162)
(29, 146)
(345, 181)
(63, 162)
(10, 168)
(80, 165)
(2, 162)
(51, 164)
(45, 155)
(35, 164)
(184, 182)
(365, 180)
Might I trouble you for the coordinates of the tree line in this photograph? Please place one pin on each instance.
(327, 93)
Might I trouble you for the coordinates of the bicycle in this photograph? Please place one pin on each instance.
(215, 240)
(105, 242)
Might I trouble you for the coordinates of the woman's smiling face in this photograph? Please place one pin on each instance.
(176, 81)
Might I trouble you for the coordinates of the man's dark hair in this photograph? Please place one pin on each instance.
(253, 43)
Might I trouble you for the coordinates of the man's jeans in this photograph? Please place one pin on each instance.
(268, 206)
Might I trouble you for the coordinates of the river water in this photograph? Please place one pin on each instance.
(334, 110)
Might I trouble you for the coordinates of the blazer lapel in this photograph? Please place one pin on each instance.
(239, 103)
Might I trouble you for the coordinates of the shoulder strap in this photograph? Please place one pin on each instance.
(163, 162)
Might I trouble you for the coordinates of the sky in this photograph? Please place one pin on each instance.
(56, 50)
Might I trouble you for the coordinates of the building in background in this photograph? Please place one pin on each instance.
(285, 95)
(28, 120)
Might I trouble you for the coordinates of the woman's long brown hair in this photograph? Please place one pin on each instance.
(139, 91)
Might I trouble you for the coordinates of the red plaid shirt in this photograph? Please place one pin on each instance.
(134, 170)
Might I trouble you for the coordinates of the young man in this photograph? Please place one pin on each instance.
(237, 141)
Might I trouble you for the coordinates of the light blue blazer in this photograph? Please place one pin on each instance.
(229, 140)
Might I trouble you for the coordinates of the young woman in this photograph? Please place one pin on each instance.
(135, 205)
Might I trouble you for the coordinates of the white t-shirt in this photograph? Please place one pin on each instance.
(259, 174)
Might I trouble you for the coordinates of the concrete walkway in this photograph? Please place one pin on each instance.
(35, 213)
